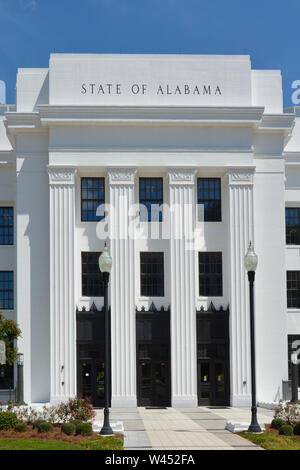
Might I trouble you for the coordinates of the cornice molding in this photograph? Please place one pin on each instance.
(61, 175)
(121, 175)
(181, 176)
(240, 175)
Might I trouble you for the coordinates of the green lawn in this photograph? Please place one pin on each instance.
(271, 441)
(96, 443)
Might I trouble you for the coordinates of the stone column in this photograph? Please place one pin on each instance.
(62, 296)
(241, 231)
(183, 295)
(123, 337)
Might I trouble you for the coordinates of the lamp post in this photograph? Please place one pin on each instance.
(251, 265)
(20, 361)
(105, 263)
(294, 361)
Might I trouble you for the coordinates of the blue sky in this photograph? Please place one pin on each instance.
(268, 30)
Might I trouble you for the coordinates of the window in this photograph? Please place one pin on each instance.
(151, 199)
(209, 199)
(293, 289)
(291, 339)
(6, 226)
(92, 195)
(6, 290)
(210, 274)
(292, 225)
(6, 377)
(152, 274)
(92, 283)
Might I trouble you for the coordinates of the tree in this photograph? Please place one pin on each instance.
(9, 331)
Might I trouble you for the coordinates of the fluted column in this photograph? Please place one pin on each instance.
(241, 231)
(183, 297)
(123, 337)
(62, 297)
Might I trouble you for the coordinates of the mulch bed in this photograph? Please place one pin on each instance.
(275, 431)
(55, 435)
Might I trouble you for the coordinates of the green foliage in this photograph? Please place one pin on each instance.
(45, 427)
(103, 443)
(36, 444)
(37, 422)
(9, 331)
(8, 420)
(75, 409)
(288, 412)
(21, 427)
(286, 430)
(277, 423)
(68, 428)
(297, 429)
(272, 441)
(85, 429)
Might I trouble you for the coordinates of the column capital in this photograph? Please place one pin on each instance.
(121, 175)
(181, 176)
(240, 175)
(61, 175)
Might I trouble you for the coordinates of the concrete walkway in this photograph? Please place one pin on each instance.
(184, 428)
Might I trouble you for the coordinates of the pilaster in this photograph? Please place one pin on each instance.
(241, 230)
(183, 297)
(62, 297)
(123, 337)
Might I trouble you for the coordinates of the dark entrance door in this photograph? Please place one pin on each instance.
(213, 357)
(153, 358)
(90, 356)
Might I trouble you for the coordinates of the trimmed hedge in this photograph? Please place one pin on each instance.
(85, 429)
(277, 423)
(8, 420)
(45, 427)
(297, 429)
(68, 428)
(286, 430)
(21, 427)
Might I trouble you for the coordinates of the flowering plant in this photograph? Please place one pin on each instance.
(289, 412)
(76, 409)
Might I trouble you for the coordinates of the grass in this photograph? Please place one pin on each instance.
(271, 441)
(95, 443)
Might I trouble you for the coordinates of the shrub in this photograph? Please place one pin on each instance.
(288, 412)
(68, 428)
(8, 420)
(21, 427)
(297, 429)
(286, 430)
(277, 423)
(36, 423)
(45, 427)
(85, 429)
(75, 409)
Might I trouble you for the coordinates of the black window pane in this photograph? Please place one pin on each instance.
(92, 196)
(152, 274)
(209, 199)
(293, 289)
(292, 225)
(291, 339)
(6, 377)
(92, 280)
(6, 225)
(210, 274)
(151, 199)
(6, 290)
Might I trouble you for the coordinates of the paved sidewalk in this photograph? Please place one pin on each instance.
(184, 428)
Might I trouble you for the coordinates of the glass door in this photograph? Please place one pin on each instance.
(204, 382)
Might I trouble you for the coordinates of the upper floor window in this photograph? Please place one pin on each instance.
(292, 225)
(293, 289)
(210, 274)
(209, 199)
(152, 274)
(92, 281)
(6, 290)
(151, 199)
(92, 196)
(6, 226)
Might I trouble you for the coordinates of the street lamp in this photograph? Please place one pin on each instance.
(19, 390)
(251, 265)
(105, 263)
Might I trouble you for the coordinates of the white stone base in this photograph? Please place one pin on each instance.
(116, 427)
(268, 405)
(235, 427)
(185, 402)
(123, 402)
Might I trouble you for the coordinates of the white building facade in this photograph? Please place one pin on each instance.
(204, 144)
